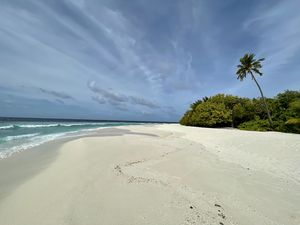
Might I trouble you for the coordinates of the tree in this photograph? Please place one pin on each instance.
(295, 107)
(210, 114)
(250, 65)
(194, 105)
(284, 99)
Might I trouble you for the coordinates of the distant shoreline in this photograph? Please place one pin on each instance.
(33, 119)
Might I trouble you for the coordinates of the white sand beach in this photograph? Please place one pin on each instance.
(157, 174)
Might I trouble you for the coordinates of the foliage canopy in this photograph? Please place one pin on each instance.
(249, 114)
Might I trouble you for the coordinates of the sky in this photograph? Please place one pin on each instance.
(140, 59)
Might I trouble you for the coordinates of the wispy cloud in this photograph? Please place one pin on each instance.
(99, 99)
(143, 102)
(117, 99)
(143, 56)
(57, 94)
(276, 29)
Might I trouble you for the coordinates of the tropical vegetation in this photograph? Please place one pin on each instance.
(250, 65)
(281, 113)
(248, 114)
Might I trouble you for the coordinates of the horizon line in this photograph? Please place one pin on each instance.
(8, 118)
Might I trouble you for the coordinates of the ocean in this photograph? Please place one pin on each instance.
(17, 135)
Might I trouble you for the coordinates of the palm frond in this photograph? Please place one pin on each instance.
(257, 71)
(260, 60)
(248, 64)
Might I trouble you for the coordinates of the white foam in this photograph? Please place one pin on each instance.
(57, 124)
(36, 140)
(10, 138)
(37, 125)
(33, 142)
(6, 127)
(54, 125)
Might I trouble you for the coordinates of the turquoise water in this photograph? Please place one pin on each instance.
(16, 136)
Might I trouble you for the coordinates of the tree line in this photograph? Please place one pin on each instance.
(244, 113)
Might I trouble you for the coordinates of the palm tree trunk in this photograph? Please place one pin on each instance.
(264, 100)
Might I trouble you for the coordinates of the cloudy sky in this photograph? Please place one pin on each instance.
(139, 59)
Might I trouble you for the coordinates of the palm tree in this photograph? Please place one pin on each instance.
(250, 65)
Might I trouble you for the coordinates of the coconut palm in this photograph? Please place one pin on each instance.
(250, 65)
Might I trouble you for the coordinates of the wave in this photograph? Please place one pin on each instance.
(38, 140)
(13, 143)
(6, 127)
(49, 125)
(10, 138)
(14, 126)
(35, 140)
(37, 125)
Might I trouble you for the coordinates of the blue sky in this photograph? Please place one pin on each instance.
(139, 59)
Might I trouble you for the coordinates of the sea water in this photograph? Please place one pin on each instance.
(17, 135)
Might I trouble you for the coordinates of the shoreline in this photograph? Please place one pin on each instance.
(25, 164)
(155, 174)
(22, 166)
(46, 138)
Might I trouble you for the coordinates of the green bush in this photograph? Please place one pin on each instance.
(291, 126)
(295, 107)
(256, 125)
(284, 99)
(210, 114)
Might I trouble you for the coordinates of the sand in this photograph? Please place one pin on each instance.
(160, 175)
